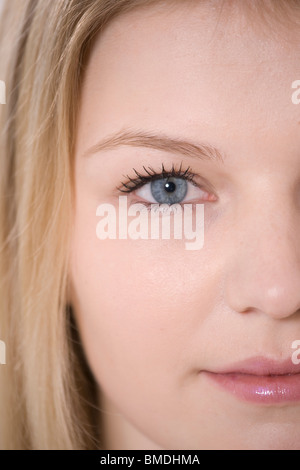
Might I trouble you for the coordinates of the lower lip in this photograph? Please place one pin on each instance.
(260, 388)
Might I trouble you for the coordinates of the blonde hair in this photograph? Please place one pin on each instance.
(47, 395)
(44, 400)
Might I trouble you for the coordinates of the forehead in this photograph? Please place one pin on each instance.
(194, 66)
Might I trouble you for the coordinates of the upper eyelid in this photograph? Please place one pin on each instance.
(152, 175)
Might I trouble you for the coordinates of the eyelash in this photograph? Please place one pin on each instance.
(133, 183)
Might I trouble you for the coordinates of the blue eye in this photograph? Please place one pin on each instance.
(173, 187)
(169, 190)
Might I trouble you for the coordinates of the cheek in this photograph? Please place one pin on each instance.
(136, 304)
(140, 306)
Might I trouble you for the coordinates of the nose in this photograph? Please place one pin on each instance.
(264, 268)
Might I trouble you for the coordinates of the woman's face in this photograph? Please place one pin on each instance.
(192, 349)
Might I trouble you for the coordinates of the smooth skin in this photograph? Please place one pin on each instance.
(152, 315)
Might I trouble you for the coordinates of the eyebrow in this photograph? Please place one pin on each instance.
(149, 139)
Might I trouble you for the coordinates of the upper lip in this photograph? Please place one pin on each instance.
(261, 366)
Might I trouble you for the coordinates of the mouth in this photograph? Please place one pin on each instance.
(260, 380)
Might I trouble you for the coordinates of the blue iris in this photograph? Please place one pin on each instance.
(169, 190)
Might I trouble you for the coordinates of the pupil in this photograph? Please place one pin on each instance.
(170, 187)
(168, 190)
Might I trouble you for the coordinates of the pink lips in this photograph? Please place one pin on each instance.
(260, 380)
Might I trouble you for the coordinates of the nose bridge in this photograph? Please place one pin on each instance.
(265, 270)
(271, 223)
